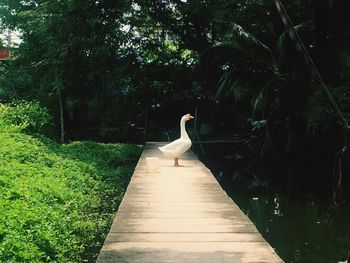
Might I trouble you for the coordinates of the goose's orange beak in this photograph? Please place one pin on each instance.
(191, 117)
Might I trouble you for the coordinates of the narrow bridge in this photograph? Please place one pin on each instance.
(180, 214)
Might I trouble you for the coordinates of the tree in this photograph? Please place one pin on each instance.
(68, 49)
(92, 62)
(283, 79)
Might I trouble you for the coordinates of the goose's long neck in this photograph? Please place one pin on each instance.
(183, 129)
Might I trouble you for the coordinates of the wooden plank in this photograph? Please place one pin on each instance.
(183, 252)
(180, 214)
(161, 206)
(184, 237)
(176, 214)
(174, 198)
(180, 221)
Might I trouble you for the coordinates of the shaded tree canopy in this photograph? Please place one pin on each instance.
(111, 61)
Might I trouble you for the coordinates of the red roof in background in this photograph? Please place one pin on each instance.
(4, 53)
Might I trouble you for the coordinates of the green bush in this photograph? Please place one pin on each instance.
(57, 202)
(28, 116)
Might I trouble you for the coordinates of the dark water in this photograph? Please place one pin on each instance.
(290, 203)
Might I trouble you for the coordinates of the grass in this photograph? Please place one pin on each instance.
(58, 202)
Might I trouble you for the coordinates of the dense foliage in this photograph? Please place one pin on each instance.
(103, 67)
(28, 116)
(57, 201)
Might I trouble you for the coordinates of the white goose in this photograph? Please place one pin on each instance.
(178, 147)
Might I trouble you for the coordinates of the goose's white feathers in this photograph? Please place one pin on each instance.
(178, 147)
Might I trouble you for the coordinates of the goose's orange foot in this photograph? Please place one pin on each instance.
(176, 163)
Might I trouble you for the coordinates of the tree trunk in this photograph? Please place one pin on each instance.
(61, 117)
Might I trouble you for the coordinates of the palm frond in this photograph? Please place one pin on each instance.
(258, 101)
(248, 42)
(248, 66)
(249, 38)
(285, 48)
(231, 85)
(220, 53)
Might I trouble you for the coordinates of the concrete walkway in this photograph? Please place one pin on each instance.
(180, 214)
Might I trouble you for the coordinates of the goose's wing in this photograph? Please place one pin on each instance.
(173, 145)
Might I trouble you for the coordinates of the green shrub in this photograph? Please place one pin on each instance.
(28, 116)
(57, 202)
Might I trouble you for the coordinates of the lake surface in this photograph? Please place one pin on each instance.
(291, 204)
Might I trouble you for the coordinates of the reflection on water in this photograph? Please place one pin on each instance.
(291, 205)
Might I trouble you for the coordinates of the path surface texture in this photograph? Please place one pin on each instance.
(180, 214)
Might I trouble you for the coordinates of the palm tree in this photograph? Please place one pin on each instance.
(276, 85)
(249, 72)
